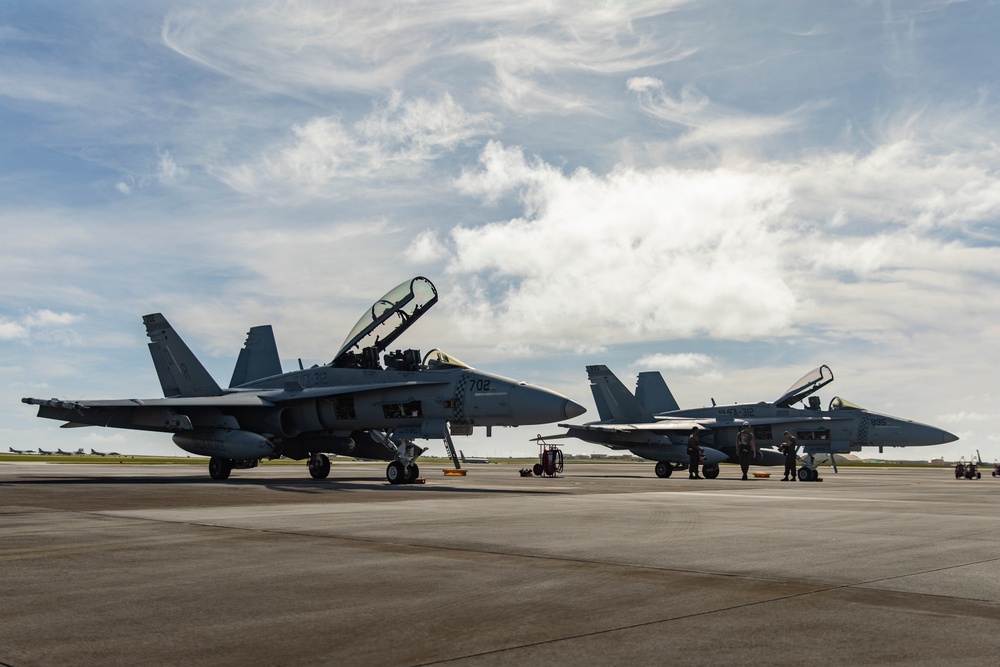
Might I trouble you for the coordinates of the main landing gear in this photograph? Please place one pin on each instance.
(219, 468)
(397, 473)
(319, 466)
(404, 470)
(808, 474)
(664, 469)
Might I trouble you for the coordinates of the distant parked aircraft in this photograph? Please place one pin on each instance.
(472, 459)
(651, 425)
(78, 452)
(94, 452)
(21, 451)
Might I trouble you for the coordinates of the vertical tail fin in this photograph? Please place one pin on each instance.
(652, 391)
(614, 399)
(461, 455)
(258, 358)
(180, 372)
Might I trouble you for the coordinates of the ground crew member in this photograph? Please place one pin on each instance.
(788, 449)
(694, 454)
(746, 448)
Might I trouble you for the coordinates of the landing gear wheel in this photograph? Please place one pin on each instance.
(663, 469)
(319, 466)
(395, 473)
(537, 469)
(219, 468)
(710, 471)
(411, 473)
(804, 475)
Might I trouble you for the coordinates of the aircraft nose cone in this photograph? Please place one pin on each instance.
(945, 436)
(535, 405)
(922, 434)
(574, 409)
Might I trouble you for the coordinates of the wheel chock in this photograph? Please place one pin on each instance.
(762, 474)
(454, 473)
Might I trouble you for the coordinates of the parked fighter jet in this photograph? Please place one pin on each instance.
(21, 451)
(94, 452)
(350, 406)
(78, 452)
(651, 424)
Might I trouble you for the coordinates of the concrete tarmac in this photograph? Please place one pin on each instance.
(605, 565)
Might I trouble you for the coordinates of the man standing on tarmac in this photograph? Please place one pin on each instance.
(746, 448)
(788, 449)
(694, 454)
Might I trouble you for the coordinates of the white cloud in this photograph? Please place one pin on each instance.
(706, 123)
(40, 323)
(168, 171)
(691, 363)
(627, 256)
(354, 45)
(394, 141)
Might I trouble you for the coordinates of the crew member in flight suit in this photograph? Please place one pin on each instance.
(788, 449)
(746, 448)
(694, 454)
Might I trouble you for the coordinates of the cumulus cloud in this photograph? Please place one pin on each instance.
(630, 255)
(40, 323)
(395, 140)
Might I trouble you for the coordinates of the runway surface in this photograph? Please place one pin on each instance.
(606, 565)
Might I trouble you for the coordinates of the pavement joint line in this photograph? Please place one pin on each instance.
(568, 559)
(682, 617)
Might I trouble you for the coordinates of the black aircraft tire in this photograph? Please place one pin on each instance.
(537, 469)
(410, 474)
(219, 468)
(804, 475)
(663, 469)
(319, 466)
(710, 470)
(813, 475)
(395, 473)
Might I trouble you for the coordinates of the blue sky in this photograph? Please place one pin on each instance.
(730, 193)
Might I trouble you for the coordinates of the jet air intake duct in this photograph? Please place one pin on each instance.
(224, 443)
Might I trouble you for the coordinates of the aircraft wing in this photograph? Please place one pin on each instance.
(241, 399)
(665, 426)
(172, 414)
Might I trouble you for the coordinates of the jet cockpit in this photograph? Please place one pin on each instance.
(806, 385)
(383, 323)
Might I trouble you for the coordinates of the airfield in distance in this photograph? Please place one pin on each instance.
(161, 564)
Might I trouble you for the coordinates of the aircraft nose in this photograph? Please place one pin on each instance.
(535, 405)
(922, 434)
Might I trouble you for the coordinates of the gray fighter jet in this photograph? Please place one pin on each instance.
(650, 424)
(352, 406)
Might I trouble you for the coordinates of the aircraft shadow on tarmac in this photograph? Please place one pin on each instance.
(288, 484)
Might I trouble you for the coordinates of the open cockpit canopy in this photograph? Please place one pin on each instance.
(386, 320)
(806, 385)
